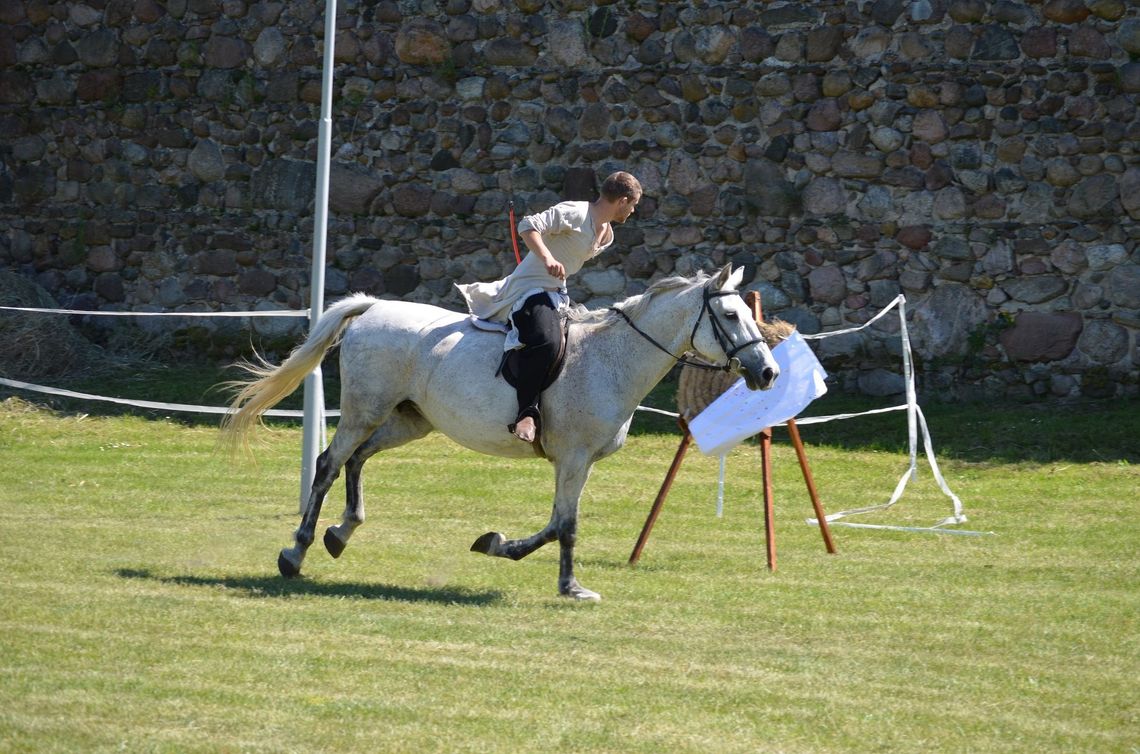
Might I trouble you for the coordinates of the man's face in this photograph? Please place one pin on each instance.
(626, 206)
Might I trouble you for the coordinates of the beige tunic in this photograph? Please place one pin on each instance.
(568, 231)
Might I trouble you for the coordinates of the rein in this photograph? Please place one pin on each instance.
(514, 233)
(718, 330)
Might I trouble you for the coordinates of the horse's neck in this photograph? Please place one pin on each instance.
(639, 363)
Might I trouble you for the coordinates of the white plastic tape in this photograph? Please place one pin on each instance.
(959, 517)
(931, 529)
(899, 301)
(720, 488)
(916, 421)
(268, 313)
(915, 418)
(659, 411)
(155, 405)
(159, 406)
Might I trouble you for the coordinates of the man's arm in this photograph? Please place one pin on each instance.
(534, 242)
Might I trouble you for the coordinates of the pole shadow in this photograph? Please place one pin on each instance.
(278, 587)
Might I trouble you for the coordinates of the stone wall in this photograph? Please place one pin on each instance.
(979, 156)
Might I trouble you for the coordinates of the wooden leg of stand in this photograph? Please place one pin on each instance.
(769, 518)
(794, 433)
(673, 469)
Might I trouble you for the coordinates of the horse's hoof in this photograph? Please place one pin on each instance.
(287, 567)
(582, 594)
(333, 543)
(489, 543)
(579, 593)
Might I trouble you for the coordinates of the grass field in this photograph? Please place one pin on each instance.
(141, 610)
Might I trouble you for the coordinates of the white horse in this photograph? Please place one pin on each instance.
(408, 368)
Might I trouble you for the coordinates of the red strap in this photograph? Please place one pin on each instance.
(514, 234)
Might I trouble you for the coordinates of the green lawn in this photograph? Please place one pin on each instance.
(141, 610)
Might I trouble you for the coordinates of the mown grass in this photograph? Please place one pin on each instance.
(141, 609)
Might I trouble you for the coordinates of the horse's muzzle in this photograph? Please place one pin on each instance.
(760, 377)
(764, 381)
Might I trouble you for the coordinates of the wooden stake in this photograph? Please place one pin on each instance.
(686, 440)
(769, 511)
(794, 433)
(753, 301)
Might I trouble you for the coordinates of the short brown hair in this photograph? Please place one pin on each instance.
(621, 185)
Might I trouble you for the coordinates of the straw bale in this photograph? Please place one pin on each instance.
(35, 345)
(697, 388)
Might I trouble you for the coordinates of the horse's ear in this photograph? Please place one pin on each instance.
(737, 278)
(722, 277)
(726, 278)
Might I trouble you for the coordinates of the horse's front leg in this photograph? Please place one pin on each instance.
(497, 545)
(563, 526)
(568, 491)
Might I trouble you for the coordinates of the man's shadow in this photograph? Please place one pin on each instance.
(275, 586)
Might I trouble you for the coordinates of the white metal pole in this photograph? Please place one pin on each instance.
(314, 420)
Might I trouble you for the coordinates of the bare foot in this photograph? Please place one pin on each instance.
(524, 429)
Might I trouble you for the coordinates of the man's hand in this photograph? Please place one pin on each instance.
(533, 241)
(555, 268)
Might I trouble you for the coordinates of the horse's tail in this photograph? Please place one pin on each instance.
(269, 384)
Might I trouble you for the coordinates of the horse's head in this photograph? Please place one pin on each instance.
(727, 331)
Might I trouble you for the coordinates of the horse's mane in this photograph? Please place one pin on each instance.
(773, 331)
(636, 304)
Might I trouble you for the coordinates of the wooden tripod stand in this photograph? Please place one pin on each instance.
(753, 300)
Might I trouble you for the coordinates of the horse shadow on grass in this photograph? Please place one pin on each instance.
(277, 587)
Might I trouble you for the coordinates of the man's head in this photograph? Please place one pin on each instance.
(624, 192)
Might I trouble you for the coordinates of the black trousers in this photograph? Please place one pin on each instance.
(540, 331)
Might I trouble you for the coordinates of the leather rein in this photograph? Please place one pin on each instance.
(719, 332)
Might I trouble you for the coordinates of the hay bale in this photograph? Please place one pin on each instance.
(697, 388)
(35, 345)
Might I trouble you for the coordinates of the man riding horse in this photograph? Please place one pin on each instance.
(532, 300)
(408, 369)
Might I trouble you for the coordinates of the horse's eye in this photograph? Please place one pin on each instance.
(731, 315)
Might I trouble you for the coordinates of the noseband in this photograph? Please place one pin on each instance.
(718, 328)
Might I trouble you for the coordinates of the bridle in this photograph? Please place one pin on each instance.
(719, 332)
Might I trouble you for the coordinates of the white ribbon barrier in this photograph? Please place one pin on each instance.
(672, 414)
(179, 407)
(720, 487)
(154, 405)
(900, 301)
(915, 417)
(266, 313)
(915, 421)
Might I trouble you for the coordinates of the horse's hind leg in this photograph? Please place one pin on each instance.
(405, 424)
(290, 560)
(336, 536)
(349, 436)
